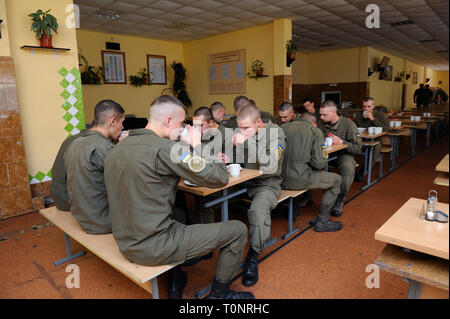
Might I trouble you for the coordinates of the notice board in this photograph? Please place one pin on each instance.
(227, 72)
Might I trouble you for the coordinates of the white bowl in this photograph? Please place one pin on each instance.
(417, 118)
(361, 129)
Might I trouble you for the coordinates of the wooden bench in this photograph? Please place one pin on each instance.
(427, 275)
(105, 247)
(441, 179)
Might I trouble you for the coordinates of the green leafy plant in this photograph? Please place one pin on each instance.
(43, 23)
(91, 74)
(179, 88)
(257, 68)
(290, 46)
(140, 79)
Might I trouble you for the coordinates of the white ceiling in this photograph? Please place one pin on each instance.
(323, 24)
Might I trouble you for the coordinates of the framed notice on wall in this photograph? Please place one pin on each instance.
(156, 66)
(226, 72)
(113, 63)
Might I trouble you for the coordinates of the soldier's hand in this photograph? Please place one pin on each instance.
(337, 140)
(239, 138)
(193, 136)
(223, 158)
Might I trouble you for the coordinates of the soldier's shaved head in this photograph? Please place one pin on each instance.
(249, 111)
(309, 117)
(166, 105)
(329, 104)
(240, 101)
(106, 109)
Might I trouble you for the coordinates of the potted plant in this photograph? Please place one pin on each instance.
(91, 75)
(291, 49)
(257, 68)
(43, 24)
(179, 88)
(140, 79)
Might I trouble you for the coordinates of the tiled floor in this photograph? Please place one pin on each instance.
(312, 265)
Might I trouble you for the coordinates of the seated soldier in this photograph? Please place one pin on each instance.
(367, 118)
(286, 113)
(309, 106)
(303, 164)
(58, 186)
(84, 163)
(149, 163)
(218, 111)
(343, 131)
(213, 134)
(264, 190)
(241, 101)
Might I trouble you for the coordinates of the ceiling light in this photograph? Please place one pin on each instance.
(399, 23)
(108, 14)
(176, 26)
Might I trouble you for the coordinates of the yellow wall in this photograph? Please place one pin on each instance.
(443, 76)
(387, 93)
(337, 66)
(135, 100)
(282, 32)
(258, 44)
(38, 81)
(300, 69)
(433, 76)
(4, 41)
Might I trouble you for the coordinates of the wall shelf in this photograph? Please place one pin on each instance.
(258, 76)
(31, 47)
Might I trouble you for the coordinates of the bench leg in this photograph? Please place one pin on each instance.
(290, 218)
(69, 253)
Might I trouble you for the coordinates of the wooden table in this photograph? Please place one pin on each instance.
(201, 192)
(405, 229)
(333, 149)
(442, 177)
(421, 255)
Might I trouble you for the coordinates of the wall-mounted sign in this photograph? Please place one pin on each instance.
(114, 67)
(227, 72)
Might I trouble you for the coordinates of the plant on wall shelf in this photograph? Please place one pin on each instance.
(43, 24)
(140, 79)
(257, 69)
(179, 88)
(290, 52)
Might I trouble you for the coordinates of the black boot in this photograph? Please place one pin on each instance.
(338, 208)
(324, 224)
(306, 200)
(222, 291)
(250, 276)
(193, 261)
(359, 176)
(177, 282)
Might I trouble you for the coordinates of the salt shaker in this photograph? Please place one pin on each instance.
(431, 206)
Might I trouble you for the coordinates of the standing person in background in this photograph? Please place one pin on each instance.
(419, 96)
(428, 95)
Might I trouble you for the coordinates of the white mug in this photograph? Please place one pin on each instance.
(417, 118)
(379, 130)
(392, 124)
(398, 123)
(328, 141)
(412, 118)
(235, 170)
(371, 130)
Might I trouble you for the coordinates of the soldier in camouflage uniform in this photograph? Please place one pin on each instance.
(303, 164)
(367, 118)
(343, 131)
(286, 114)
(141, 176)
(264, 190)
(241, 101)
(84, 163)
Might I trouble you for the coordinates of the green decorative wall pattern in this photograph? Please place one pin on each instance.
(74, 116)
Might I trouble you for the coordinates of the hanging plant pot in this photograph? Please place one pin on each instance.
(259, 72)
(291, 55)
(46, 41)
